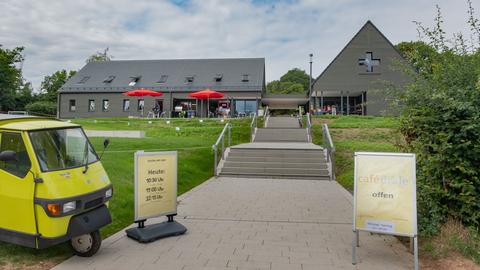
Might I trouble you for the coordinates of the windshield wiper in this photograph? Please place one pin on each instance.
(85, 157)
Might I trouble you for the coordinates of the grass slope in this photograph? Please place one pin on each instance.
(352, 134)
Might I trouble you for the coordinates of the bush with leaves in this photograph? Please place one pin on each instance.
(440, 121)
(42, 107)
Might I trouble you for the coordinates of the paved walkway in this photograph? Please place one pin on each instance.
(238, 223)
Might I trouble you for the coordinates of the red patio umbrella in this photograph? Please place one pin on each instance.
(206, 94)
(142, 93)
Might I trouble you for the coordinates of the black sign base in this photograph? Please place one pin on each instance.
(154, 232)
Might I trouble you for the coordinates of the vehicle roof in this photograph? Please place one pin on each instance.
(29, 122)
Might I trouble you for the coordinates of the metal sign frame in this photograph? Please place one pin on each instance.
(143, 153)
(355, 242)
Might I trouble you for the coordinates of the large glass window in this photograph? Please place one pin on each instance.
(91, 105)
(250, 106)
(126, 105)
(59, 149)
(245, 107)
(14, 142)
(240, 106)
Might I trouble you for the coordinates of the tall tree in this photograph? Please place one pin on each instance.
(100, 56)
(24, 96)
(297, 75)
(418, 53)
(10, 76)
(295, 81)
(52, 83)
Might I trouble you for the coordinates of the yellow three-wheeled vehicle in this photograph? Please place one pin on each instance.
(53, 187)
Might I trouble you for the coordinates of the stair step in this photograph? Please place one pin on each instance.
(319, 155)
(281, 135)
(276, 151)
(264, 175)
(229, 163)
(277, 171)
(275, 159)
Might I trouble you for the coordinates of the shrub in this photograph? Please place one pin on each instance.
(440, 121)
(42, 108)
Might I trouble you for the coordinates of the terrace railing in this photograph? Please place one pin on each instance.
(253, 127)
(330, 149)
(221, 142)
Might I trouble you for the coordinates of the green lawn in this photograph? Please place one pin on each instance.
(195, 165)
(352, 134)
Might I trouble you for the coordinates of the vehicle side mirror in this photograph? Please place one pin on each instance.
(106, 142)
(8, 156)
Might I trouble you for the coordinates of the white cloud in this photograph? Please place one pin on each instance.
(62, 34)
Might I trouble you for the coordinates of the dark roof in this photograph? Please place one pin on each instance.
(204, 73)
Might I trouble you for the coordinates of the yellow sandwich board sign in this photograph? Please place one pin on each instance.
(385, 194)
(155, 195)
(155, 184)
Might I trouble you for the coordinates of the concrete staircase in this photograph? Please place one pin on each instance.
(282, 122)
(276, 163)
(281, 150)
(281, 135)
(281, 129)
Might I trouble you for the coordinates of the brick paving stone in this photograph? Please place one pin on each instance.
(236, 224)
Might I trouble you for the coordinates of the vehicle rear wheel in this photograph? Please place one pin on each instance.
(86, 245)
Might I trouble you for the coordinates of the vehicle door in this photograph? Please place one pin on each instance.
(16, 188)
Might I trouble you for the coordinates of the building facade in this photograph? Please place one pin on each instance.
(352, 83)
(96, 90)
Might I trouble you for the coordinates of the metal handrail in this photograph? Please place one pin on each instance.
(266, 116)
(328, 144)
(309, 127)
(253, 126)
(221, 139)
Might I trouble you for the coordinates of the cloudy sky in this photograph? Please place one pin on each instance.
(62, 34)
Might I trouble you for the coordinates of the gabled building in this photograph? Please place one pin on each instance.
(350, 83)
(96, 90)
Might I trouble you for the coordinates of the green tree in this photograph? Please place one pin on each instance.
(297, 75)
(295, 81)
(24, 96)
(418, 53)
(10, 76)
(100, 56)
(52, 83)
(441, 123)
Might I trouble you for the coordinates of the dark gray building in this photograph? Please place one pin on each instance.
(351, 82)
(96, 90)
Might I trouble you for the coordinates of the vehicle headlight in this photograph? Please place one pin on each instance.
(108, 193)
(70, 206)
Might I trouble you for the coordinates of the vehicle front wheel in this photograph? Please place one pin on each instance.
(86, 245)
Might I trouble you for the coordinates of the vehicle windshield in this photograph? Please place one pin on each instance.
(59, 149)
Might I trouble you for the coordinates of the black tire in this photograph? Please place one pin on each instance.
(86, 245)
